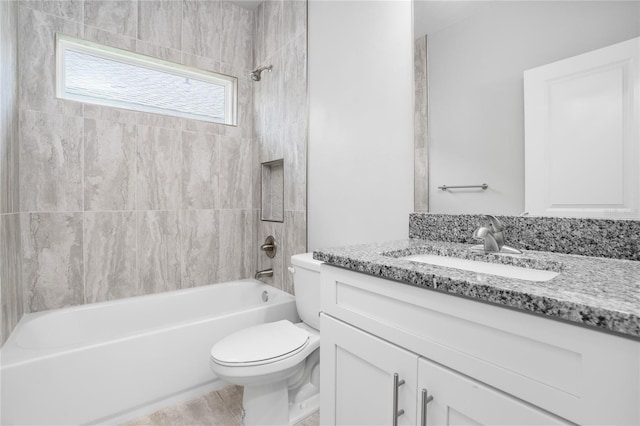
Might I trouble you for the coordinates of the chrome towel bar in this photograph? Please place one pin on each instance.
(445, 187)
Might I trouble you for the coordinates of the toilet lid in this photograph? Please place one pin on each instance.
(260, 344)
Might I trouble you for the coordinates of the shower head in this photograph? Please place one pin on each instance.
(255, 74)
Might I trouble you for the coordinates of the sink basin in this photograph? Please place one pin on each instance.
(507, 271)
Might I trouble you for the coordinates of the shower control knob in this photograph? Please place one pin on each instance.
(270, 247)
(291, 269)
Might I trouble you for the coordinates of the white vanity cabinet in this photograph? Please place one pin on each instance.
(482, 364)
(372, 379)
(464, 401)
(361, 387)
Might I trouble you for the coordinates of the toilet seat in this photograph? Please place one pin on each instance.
(261, 344)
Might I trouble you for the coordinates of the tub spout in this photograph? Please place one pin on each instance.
(264, 273)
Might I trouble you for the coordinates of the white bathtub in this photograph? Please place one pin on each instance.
(114, 361)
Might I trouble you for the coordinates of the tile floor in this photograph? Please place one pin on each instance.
(223, 408)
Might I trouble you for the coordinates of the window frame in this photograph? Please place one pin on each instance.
(65, 43)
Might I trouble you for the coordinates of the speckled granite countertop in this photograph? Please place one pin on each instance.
(591, 291)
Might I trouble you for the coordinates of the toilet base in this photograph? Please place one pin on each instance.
(284, 402)
(301, 410)
(267, 405)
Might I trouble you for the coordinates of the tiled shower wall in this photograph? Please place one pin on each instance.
(118, 203)
(10, 250)
(280, 127)
(107, 203)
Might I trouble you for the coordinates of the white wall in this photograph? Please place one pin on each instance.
(476, 90)
(360, 170)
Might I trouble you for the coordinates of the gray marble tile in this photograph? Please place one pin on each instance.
(158, 251)
(109, 165)
(158, 51)
(279, 92)
(51, 162)
(160, 120)
(245, 108)
(36, 61)
(107, 38)
(253, 256)
(295, 156)
(10, 274)
(235, 173)
(420, 61)
(236, 244)
(52, 260)
(9, 165)
(160, 22)
(295, 241)
(259, 120)
(294, 87)
(421, 181)
(116, 16)
(294, 18)
(202, 28)
(272, 146)
(9, 177)
(236, 46)
(110, 256)
(97, 112)
(259, 54)
(67, 9)
(200, 171)
(158, 168)
(199, 235)
(269, 98)
(203, 127)
(421, 152)
(272, 191)
(420, 118)
(201, 62)
(273, 29)
(256, 174)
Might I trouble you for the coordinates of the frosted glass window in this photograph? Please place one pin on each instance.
(91, 73)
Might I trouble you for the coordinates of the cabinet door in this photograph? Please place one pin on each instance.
(357, 378)
(459, 400)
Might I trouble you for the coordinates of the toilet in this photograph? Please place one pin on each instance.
(278, 363)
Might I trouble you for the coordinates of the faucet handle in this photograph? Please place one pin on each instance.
(496, 230)
(496, 225)
(488, 238)
(481, 233)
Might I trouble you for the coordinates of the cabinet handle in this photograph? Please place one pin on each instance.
(426, 398)
(396, 384)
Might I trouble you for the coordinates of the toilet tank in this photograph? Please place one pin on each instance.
(306, 285)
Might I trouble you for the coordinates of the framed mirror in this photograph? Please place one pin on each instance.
(476, 53)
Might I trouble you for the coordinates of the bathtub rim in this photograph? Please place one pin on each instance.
(12, 354)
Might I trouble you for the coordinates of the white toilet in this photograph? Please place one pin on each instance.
(278, 363)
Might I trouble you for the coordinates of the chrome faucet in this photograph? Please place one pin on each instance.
(492, 237)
